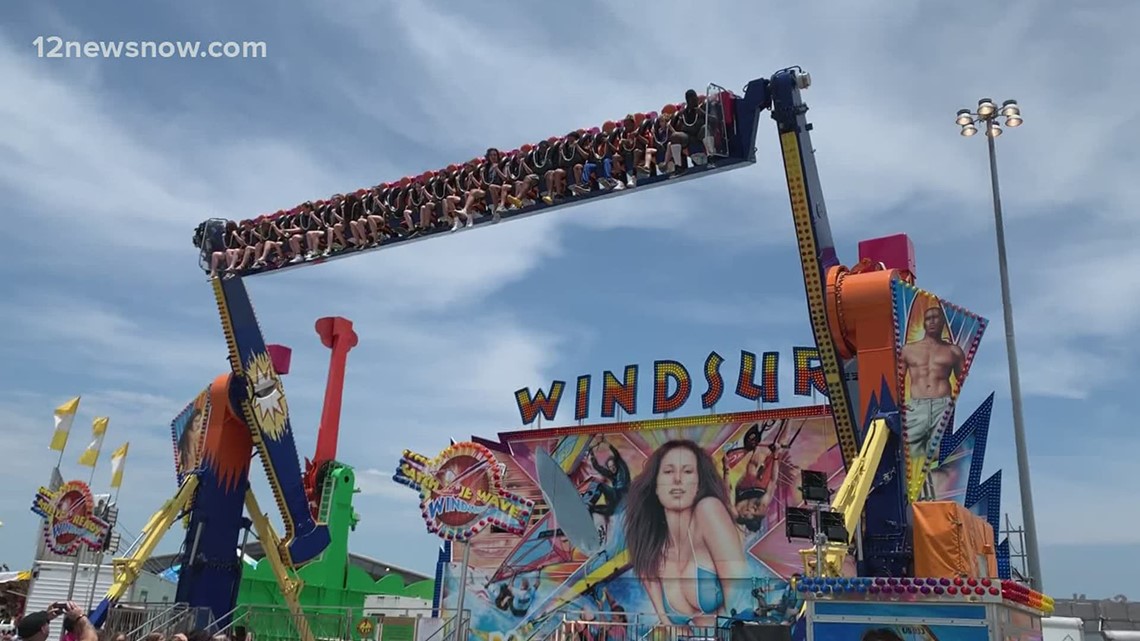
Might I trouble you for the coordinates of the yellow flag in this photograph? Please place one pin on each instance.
(64, 415)
(90, 456)
(118, 458)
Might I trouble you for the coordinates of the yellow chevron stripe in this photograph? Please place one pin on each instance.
(251, 419)
(817, 304)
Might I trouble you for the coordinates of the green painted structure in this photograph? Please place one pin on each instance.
(331, 581)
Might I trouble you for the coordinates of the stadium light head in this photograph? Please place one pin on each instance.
(964, 117)
(986, 108)
(813, 486)
(798, 524)
(1012, 112)
(834, 527)
(994, 130)
(969, 130)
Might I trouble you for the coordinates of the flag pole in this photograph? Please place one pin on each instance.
(110, 533)
(102, 552)
(79, 549)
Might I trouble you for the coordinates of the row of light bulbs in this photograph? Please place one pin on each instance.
(986, 115)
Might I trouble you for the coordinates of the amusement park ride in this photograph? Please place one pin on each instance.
(851, 311)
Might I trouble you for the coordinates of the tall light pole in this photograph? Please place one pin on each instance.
(986, 116)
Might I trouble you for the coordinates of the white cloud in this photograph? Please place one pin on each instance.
(373, 482)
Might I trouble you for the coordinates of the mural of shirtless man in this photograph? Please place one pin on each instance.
(928, 363)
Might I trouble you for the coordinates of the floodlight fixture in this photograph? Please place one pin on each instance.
(1013, 120)
(993, 130)
(833, 525)
(798, 524)
(969, 130)
(813, 486)
(965, 117)
(1010, 108)
(986, 108)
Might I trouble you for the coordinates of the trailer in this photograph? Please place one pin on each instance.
(919, 610)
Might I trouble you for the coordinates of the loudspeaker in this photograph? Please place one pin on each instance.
(747, 631)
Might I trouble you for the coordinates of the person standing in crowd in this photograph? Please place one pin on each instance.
(36, 626)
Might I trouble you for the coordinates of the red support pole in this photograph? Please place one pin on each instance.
(337, 335)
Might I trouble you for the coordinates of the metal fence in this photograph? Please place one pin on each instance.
(125, 617)
(634, 629)
(276, 623)
(170, 620)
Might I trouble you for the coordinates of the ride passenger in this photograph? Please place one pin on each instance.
(443, 203)
(525, 177)
(626, 149)
(251, 245)
(352, 210)
(335, 224)
(689, 132)
(579, 146)
(398, 201)
(517, 182)
(498, 184)
(418, 204)
(602, 157)
(376, 214)
(225, 258)
(543, 161)
(270, 244)
(291, 231)
(469, 182)
(313, 227)
(357, 220)
(570, 161)
(662, 134)
(454, 195)
(646, 148)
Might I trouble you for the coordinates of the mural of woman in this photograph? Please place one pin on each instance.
(683, 542)
(190, 440)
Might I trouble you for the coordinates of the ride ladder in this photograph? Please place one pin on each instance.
(327, 490)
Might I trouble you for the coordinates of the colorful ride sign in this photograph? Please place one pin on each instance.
(69, 518)
(461, 492)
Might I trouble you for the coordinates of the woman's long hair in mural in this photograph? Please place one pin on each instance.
(646, 531)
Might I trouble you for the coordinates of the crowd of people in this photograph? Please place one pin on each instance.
(613, 157)
(36, 626)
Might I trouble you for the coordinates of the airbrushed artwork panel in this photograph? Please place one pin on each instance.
(189, 433)
(684, 522)
(936, 342)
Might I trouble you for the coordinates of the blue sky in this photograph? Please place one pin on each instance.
(107, 165)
